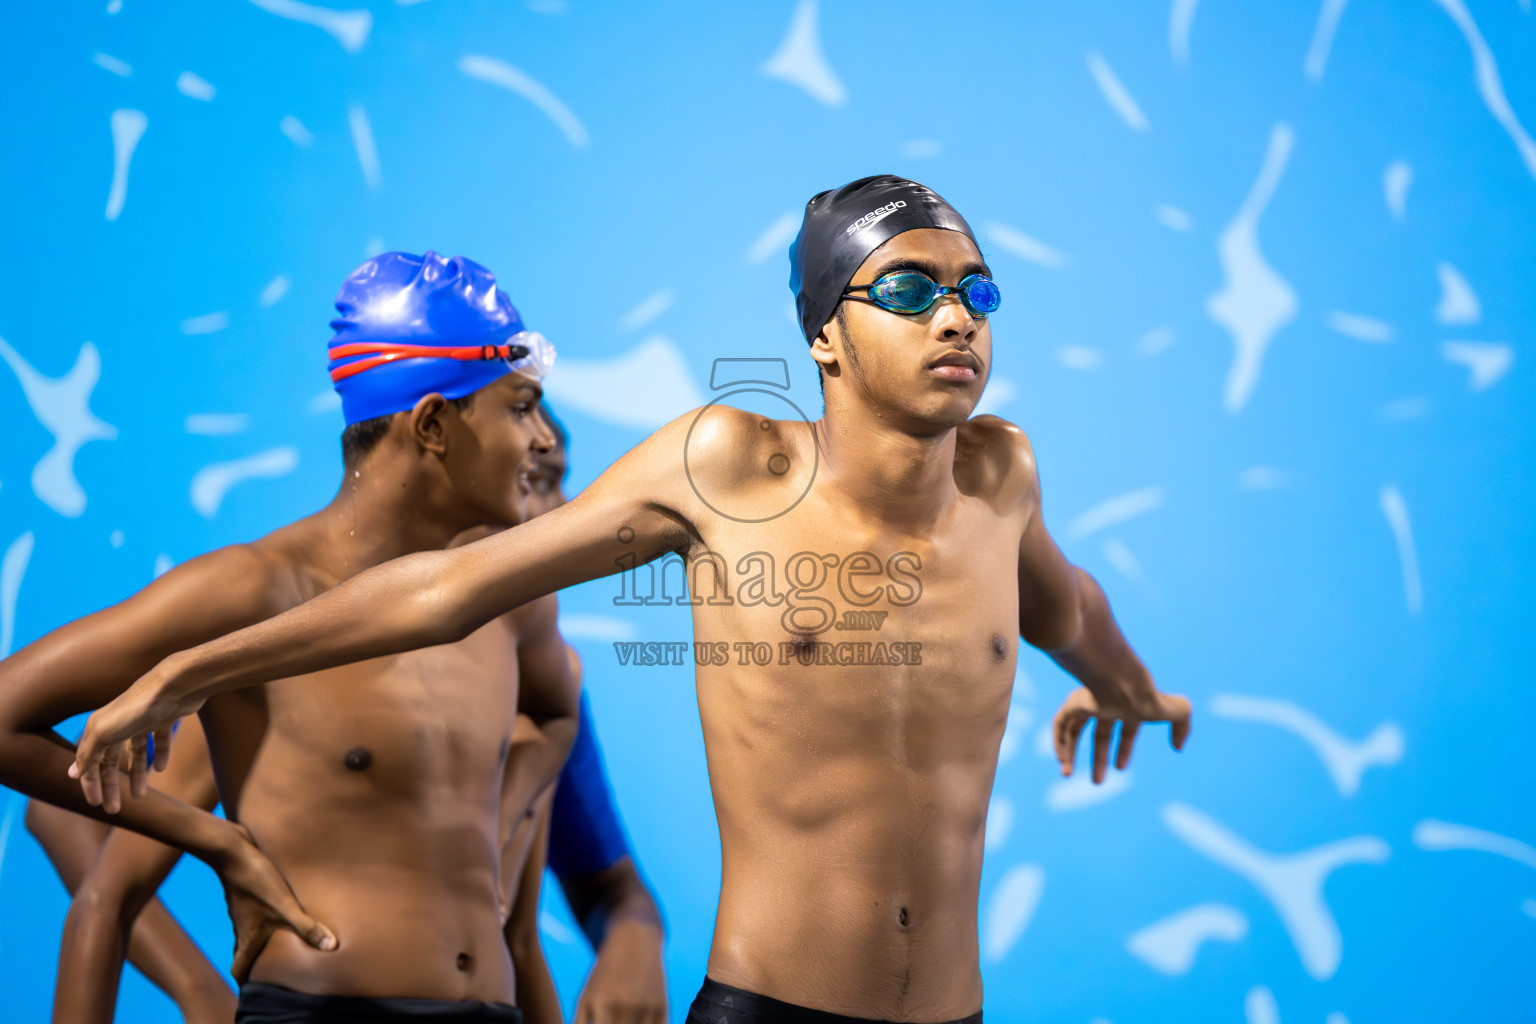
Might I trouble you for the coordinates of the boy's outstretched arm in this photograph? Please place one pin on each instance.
(419, 600)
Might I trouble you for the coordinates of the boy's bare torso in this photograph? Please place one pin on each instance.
(375, 790)
(851, 773)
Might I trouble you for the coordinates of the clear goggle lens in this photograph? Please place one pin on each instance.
(541, 354)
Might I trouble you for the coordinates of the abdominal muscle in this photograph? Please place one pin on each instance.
(849, 878)
(407, 886)
(402, 934)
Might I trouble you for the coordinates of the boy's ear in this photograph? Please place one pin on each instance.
(827, 347)
(426, 423)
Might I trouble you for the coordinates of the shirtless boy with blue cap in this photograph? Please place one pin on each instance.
(851, 773)
(374, 791)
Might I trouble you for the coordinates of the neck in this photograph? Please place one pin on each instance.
(384, 509)
(903, 477)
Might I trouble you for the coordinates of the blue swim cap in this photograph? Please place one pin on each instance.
(414, 325)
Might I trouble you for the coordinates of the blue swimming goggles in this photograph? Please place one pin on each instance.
(910, 292)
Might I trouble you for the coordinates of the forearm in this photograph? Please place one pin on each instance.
(1099, 656)
(37, 765)
(114, 912)
(91, 955)
(627, 981)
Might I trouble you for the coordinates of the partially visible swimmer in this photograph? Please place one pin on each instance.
(375, 791)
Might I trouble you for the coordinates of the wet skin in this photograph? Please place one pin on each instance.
(851, 797)
(375, 789)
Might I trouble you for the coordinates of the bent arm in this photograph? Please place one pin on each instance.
(1064, 612)
(89, 662)
(1101, 657)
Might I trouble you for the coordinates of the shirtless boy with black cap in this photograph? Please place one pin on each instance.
(376, 790)
(851, 771)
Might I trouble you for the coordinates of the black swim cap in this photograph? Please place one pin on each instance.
(843, 226)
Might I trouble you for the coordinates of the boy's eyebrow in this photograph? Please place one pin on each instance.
(927, 267)
(896, 263)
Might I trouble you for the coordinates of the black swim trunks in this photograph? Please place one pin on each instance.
(273, 1004)
(722, 1004)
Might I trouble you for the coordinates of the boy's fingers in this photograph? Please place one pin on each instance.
(1103, 740)
(306, 927)
(1068, 733)
(245, 956)
(162, 746)
(111, 786)
(316, 934)
(1128, 731)
(90, 783)
(1181, 711)
(138, 771)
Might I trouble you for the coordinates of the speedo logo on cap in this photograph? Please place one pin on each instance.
(875, 215)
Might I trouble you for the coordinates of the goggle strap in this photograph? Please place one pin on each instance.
(381, 352)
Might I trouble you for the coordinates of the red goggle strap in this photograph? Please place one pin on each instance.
(382, 352)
